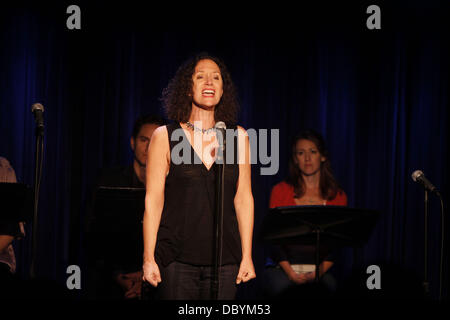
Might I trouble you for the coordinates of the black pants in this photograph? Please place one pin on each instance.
(181, 281)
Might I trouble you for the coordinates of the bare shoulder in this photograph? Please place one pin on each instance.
(160, 136)
(242, 133)
(243, 144)
(160, 131)
(159, 144)
(241, 130)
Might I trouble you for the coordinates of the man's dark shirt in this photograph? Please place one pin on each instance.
(120, 177)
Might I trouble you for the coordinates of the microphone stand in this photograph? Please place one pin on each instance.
(37, 183)
(426, 285)
(218, 223)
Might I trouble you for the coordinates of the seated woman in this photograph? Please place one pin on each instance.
(310, 182)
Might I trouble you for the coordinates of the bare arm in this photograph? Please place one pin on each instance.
(324, 266)
(243, 203)
(286, 266)
(157, 168)
(5, 241)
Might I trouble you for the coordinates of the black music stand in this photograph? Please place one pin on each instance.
(119, 212)
(332, 226)
(17, 202)
(119, 207)
(116, 227)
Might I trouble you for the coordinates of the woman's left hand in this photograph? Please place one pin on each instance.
(246, 271)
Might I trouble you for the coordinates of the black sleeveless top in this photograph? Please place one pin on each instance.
(186, 231)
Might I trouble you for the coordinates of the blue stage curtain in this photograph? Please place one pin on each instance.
(380, 98)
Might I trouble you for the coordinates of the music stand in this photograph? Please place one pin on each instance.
(118, 220)
(17, 202)
(332, 226)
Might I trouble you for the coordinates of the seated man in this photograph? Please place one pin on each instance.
(122, 265)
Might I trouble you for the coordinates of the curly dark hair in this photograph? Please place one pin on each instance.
(328, 185)
(177, 96)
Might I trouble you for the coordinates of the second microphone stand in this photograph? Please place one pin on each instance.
(426, 285)
(39, 154)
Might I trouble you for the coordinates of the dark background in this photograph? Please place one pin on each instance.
(379, 97)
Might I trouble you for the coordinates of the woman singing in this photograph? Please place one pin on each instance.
(179, 205)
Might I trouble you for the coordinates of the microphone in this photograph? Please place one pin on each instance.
(221, 126)
(419, 177)
(38, 110)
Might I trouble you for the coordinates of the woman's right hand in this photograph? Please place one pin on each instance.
(151, 273)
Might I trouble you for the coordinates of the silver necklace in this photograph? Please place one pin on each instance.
(194, 128)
